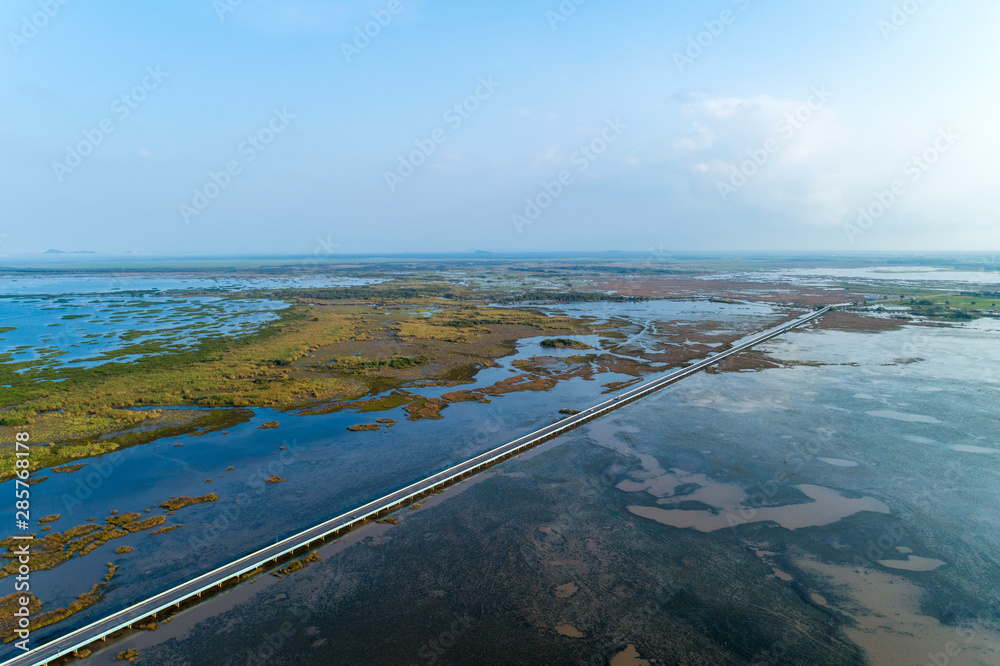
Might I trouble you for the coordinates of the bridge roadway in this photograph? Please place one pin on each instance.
(206, 582)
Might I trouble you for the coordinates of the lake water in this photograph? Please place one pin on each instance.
(704, 520)
(82, 332)
(913, 276)
(80, 321)
(328, 469)
(112, 283)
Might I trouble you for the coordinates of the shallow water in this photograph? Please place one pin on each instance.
(83, 332)
(900, 420)
(124, 282)
(328, 470)
(828, 506)
(922, 276)
(80, 321)
(551, 546)
(913, 563)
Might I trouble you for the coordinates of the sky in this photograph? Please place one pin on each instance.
(321, 127)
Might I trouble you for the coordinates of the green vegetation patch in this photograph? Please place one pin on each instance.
(394, 290)
(45, 619)
(130, 655)
(545, 296)
(145, 524)
(164, 530)
(9, 605)
(158, 377)
(364, 427)
(175, 503)
(564, 343)
(297, 565)
(92, 446)
(951, 307)
(123, 519)
(69, 469)
(58, 547)
(355, 364)
(385, 403)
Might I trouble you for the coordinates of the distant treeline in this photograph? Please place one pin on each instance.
(562, 297)
(383, 292)
(981, 294)
(370, 292)
(619, 270)
(925, 308)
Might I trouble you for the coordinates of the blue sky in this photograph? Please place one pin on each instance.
(892, 112)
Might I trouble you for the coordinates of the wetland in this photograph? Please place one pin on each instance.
(297, 402)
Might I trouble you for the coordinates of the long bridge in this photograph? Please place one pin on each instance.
(232, 573)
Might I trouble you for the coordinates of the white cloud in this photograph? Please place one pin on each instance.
(702, 139)
(802, 173)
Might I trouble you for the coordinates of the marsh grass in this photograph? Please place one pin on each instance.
(317, 353)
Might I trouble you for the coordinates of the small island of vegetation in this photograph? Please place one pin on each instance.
(564, 343)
